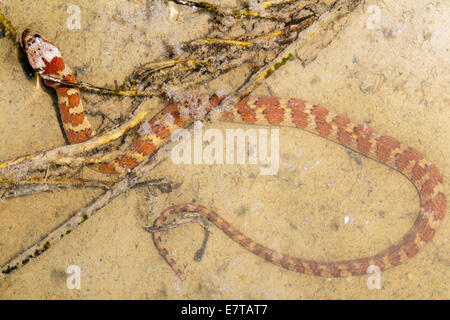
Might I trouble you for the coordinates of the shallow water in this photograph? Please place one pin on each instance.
(324, 203)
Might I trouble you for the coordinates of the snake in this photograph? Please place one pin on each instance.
(45, 58)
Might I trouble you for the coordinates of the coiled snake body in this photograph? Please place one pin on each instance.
(46, 59)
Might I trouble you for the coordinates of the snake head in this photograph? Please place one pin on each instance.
(41, 53)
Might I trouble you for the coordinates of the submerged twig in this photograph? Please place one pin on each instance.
(67, 154)
(9, 30)
(247, 13)
(26, 188)
(95, 89)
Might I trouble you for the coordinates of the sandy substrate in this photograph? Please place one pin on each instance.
(389, 67)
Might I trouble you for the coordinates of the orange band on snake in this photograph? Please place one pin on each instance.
(45, 58)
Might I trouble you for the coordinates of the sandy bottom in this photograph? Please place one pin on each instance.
(389, 67)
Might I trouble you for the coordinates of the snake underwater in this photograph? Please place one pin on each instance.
(45, 58)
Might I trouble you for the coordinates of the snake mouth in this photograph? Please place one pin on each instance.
(39, 51)
(28, 37)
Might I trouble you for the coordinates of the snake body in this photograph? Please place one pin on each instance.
(45, 58)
